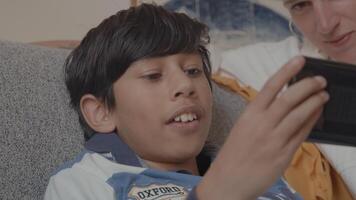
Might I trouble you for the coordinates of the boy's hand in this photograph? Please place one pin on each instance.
(264, 139)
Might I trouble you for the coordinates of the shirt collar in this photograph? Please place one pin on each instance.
(111, 143)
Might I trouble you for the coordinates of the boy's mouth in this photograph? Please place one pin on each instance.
(185, 115)
(187, 122)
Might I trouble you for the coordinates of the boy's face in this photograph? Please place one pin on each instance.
(329, 25)
(163, 107)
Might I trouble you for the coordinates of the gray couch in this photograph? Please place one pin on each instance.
(38, 129)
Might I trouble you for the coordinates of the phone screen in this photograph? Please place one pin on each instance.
(337, 124)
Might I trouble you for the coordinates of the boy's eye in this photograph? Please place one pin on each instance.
(299, 7)
(153, 76)
(193, 72)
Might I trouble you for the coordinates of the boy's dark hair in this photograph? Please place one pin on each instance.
(109, 49)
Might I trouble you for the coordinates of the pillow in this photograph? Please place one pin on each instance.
(226, 109)
(38, 129)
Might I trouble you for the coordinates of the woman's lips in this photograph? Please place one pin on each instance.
(341, 40)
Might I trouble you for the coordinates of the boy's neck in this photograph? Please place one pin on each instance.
(190, 166)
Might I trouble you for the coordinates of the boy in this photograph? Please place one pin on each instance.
(140, 84)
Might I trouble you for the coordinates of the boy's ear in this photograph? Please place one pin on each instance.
(96, 114)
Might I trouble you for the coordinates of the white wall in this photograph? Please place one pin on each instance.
(39, 20)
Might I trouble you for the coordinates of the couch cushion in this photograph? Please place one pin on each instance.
(39, 131)
(227, 107)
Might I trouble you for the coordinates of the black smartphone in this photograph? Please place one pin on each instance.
(337, 124)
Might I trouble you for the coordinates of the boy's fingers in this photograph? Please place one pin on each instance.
(272, 87)
(299, 116)
(295, 95)
(304, 132)
(291, 146)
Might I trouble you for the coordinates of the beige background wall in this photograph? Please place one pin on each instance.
(39, 20)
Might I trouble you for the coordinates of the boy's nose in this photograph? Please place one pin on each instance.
(326, 18)
(185, 93)
(182, 86)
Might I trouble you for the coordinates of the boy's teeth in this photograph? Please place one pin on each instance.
(186, 117)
